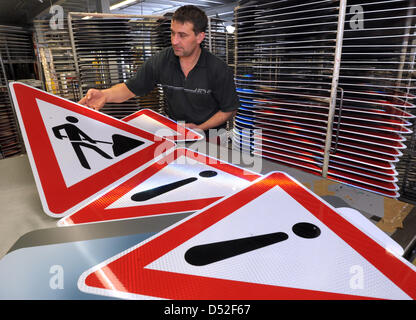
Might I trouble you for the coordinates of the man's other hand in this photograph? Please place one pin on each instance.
(94, 99)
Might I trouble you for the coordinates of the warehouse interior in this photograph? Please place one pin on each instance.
(327, 88)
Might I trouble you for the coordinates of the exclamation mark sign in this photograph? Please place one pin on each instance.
(152, 193)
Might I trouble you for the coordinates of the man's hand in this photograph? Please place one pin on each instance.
(94, 99)
(217, 119)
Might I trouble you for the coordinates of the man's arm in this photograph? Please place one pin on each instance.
(86, 137)
(217, 119)
(56, 131)
(96, 99)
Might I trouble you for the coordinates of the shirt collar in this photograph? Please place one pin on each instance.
(202, 60)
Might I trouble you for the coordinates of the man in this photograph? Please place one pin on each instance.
(199, 87)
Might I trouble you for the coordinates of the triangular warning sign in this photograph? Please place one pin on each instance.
(153, 122)
(75, 152)
(182, 181)
(272, 240)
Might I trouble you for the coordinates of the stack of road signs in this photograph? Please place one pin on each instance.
(246, 247)
(246, 40)
(285, 95)
(90, 167)
(376, 72)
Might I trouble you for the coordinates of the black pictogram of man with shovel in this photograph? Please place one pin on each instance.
(120, 144)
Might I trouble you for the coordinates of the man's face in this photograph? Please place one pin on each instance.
(183, 38)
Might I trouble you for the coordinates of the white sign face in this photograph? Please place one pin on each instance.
(194, 182)
(93, 148)
(321, 264)
(151, 125)
(273, 239)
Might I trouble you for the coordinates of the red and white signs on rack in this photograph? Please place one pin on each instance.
(273, 239)
(182, 181)
(76, 152)
(159, 125)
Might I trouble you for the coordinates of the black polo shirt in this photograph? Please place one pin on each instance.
(208, 88)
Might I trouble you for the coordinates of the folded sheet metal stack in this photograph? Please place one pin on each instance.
(245, 42)
(287, 49)
(109, 50)
(55, 54)
(407, 169)
(376, 75)
(17, 62)
(286, 96)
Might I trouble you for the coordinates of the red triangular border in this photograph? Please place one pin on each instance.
(128, 272)
(56, 197)
(184, 134)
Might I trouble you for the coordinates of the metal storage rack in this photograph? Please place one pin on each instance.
(216, 38)
(327, 86)
(8, 137)
(108, 49)
(54, 51)
(17, 62)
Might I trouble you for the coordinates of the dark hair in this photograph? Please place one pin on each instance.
(194, 15)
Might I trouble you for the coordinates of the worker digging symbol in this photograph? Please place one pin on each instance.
(78, 138)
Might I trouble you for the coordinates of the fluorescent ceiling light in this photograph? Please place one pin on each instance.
(230, 29)
(122, 3)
